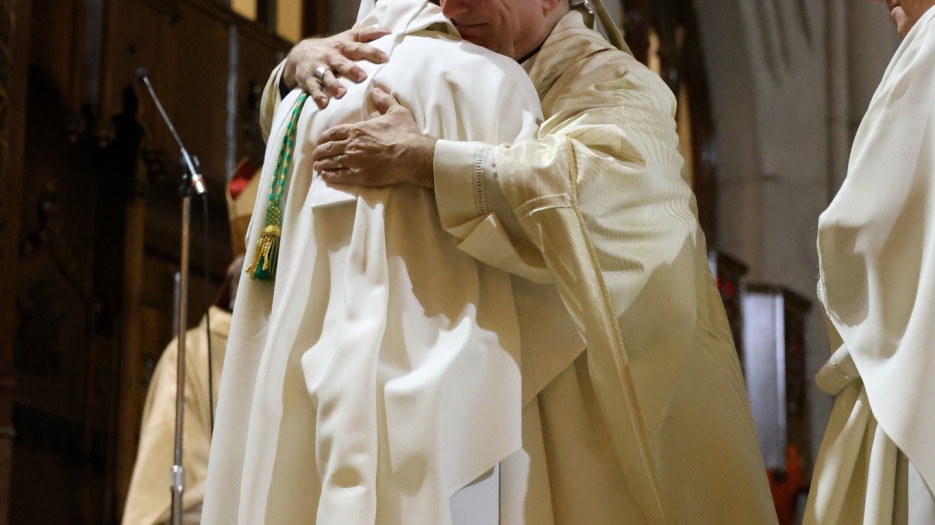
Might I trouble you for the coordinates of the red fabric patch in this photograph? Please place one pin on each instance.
(241, 178)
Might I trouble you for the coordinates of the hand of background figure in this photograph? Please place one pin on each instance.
(336, 54)
(383, 151)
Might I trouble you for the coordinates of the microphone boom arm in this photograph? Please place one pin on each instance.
(197, 181)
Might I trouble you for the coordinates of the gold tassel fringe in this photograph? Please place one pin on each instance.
(267, 254)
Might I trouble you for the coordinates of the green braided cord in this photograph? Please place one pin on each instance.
(267, 251)
(285, 153)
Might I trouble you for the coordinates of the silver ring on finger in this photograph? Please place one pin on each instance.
(341, 161)
(320, 73)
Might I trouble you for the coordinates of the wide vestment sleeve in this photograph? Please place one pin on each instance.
(876, 245)
(603, 202)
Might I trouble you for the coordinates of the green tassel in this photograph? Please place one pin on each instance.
(267, 255)
(267, 246)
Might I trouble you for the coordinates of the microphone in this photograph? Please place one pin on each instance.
(194, 184)
(197, 181)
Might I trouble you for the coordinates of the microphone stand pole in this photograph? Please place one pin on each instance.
(191, 182)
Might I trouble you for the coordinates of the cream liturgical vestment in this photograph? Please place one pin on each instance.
(876, 243)
(379, 373)
(603, 212)
(149, 499)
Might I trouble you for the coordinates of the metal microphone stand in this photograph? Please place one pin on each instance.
(192, 181)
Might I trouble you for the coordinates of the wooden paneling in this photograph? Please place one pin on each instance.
(289, 19)
(92, 242)
(56, 46)
(316, 19)
(245, 8)
(185, 51)
(14, 53)
(254, 64)
(56, 355)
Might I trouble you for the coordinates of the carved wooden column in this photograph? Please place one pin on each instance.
(316, 19)
(637, 25)
(14, 39)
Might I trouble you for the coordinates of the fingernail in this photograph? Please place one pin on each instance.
(341, 92)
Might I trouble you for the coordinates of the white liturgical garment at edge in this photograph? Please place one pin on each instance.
(876, 246)
(876, 243)
(380, 372)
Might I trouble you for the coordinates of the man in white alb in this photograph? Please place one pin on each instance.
(378, 372)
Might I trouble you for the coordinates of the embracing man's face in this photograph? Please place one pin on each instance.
(905, 13)
(504, 26)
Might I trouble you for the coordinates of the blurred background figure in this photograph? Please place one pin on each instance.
(149, 498)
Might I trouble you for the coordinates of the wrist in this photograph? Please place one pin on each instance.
(287, 80)
(424, 160)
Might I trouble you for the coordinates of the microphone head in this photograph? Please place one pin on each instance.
(142, 72)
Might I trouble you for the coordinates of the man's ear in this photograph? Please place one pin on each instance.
(549, 5)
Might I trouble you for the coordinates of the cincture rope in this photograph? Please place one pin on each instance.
(267, 246)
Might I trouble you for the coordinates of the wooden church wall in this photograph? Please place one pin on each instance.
(92, 241)
(14, 31)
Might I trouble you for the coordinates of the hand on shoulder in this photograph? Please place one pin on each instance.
(335, 55)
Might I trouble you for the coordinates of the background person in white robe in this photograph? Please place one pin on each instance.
(378, 374)
(876, 464)
(650, 423)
